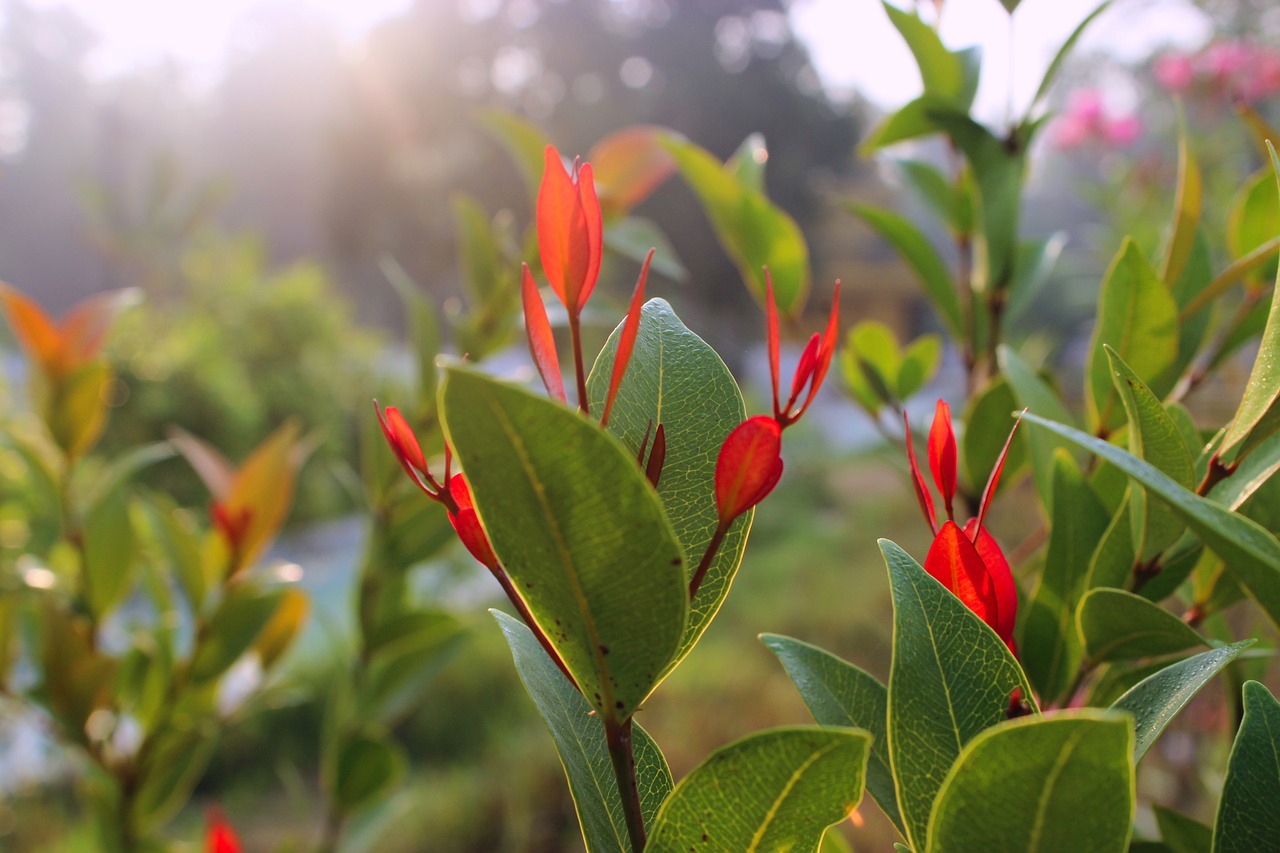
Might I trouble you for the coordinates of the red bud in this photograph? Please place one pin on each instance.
(942, 454)
(570, 228)
(748, 467)
(467, 524)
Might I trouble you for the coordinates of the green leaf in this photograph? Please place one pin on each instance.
(1158, 698)
(919, 363)
(755, 232)
(580, 741)
(369, 765)
(943, 198)
(579, 531)
(1051, 74)
(1112, 560)
(837, 693)
(675, 379)
(1036, 262)
(987, 422)
(916, 250)
(1154, 437)
(236, 623)
(109, 551)
(914, 119)
(1256, 418)
(1033, 394)
(1254, 219)
(1248, 819)
(173, 764)
(404, 656)
(1197, 273)
(1138, 318)
(1059, 783)
(1050, 648)
(523, 141)
(1118, 625)
(870, 362)
(1186, 211)
(1250, 475)
(633, 236)
(1181, 833)
(1251, 553)
(951, 677)
(942, 72)
(773, 790)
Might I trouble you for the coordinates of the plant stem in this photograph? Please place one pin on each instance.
(712, 547)
(621, 753)
(514, 597)
(575, 337)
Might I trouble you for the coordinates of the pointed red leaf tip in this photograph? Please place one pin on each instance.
(993, 481)
(942, 455)
(627, 340)
(231, 524)
(749, 466)
(955, 563)
(219, 836)
(406, 448)
(467, 524)
(814, 361)
(1006, 591)
(570, 231)
(542, 342)
(923, 495)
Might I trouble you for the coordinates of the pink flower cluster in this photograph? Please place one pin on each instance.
(1086, 120)
(1239, 69)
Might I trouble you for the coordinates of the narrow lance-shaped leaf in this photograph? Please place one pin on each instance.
(578, 530)
(773, 790)
(1060, 783)
(1248, 819)
(1051, 73)
(951, 677)
(1158, 698)
(580, 741)
(542, 342)
(1186, 211)
(1250, 552)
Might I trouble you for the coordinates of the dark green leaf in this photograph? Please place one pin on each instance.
(915, 118)
(951, 677)
(839, 694)
(1158, 698)
(173, 764)
(1033, 394)
(579, 531)
(369, 764)
(942, 197)
(404, 656)
(235, 624)
(1181, 833)
(774, 790)
(1059, 783)
(1117, 625)
(1248, 819)
(676, 380)
(987, 422)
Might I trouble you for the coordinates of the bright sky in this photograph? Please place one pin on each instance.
(851, 41)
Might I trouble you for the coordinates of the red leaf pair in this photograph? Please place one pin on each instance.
(968, 562)
(814, 361)
(570, 231)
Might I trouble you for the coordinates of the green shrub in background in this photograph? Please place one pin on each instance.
(236, 350)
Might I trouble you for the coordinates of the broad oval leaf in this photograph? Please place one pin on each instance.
(1250, 552)
(1118, 625)
(580, 741)
(1248, 819)
(1059, 783)
(579, 531)
(773, 790)
(951, 677)
(1158, 698)
(838, 693)
(675, 379)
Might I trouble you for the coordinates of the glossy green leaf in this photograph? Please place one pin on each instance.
(1050, 649)
(773, 790)
(1255, 420)
(1186, 211)
(1033, 394)
(1051, 73)
(1112, 560)
(1138, 318)
(920, 362)
(1251, 553)
(369, 765)
(578, 530)
(675, 379)
(916, 250)
(1248, 819)
(580, 741)
(1154, 437)
(869, 362)
(755, 232)
(1197, 273)
(837, 693)
(1064, 782)
(988, 419)
(951, 677)
(1118, 625)
(232, 629)
(1158, 698)
(1181, 833)
(1250, 475)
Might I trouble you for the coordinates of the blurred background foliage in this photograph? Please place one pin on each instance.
(256, 208)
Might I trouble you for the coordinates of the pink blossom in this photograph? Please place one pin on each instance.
(1223, 60)
(1174, 72)
(1123, 131)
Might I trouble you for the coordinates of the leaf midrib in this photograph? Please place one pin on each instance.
(782, 795)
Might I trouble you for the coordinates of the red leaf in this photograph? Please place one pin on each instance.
(804, 372)
(917, 479)
(34, 329)
(956, 564)
(629, 165)
(942, 454)
(569, 231)
(220, 837)
(826, 351)
(627, 340)
(402, 440)
(994, 480)
(653, 471)
(1006, 591)
(748, 467)
(542, 342)
(771, 331)
(467, 524)
(595, 232)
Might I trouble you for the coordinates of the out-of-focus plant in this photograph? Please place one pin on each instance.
(150, 632)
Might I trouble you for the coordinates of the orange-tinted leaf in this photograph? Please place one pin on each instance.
(804, 370)
(955, 563)
(749, 466)
(542, 342)
(942, 454)
(84, 328)
(77, 407)
(569, 231)
(210, 466)
(285, 625)
(403, 441)
(466, 523)
(263, 485)
(627, 340)
(629, 165)
(33, 328)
